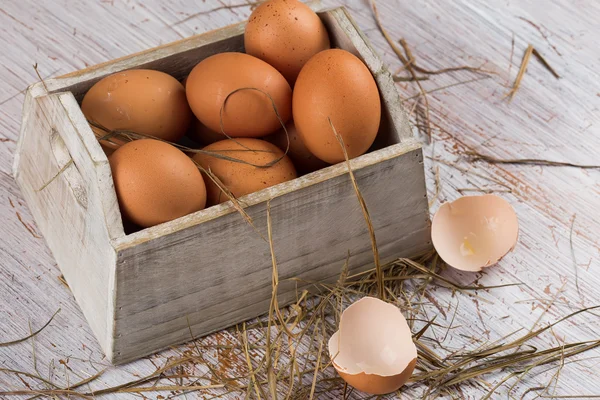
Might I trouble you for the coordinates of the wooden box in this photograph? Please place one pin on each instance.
(209, 269)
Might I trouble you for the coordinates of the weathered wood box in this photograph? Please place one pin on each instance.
(209, 269)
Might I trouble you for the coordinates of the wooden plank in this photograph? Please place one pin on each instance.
(218, 272)
(67, 205)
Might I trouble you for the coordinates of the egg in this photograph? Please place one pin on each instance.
(285, 34)
(249, 111)
(303, 159)
(373, 350)
(144, 101)
(474, 232)
(336, 85)
(156, 182)
(240, 178)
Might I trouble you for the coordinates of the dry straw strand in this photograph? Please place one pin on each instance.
(521, 73)
(37, 72)
(367, 216)
(60, 171)
(474, 156)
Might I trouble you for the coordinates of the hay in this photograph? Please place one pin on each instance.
(271, 346)
(33, 334)
(280, 368)
(474, 156)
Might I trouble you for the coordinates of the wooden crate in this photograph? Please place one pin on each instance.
(209, 269)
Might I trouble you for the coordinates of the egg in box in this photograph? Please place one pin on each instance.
(144, 101)
(236, 92)
(335, 90)
(285, 34)
(156, 182)
(259, 165)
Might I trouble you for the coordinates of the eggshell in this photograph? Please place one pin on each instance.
(239, 178)
(249, 112)
(140, 100)
(303, 159)
(155, 182)
(285, 34)
(474, 232)
(373, 350)
(336, 84)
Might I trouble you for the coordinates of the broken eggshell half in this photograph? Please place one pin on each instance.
(373, 350)
(474, 232)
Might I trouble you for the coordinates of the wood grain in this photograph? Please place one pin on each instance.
(74, 226)
(198, 275)
(548, 118)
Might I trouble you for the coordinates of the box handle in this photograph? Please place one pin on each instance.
(68, 169)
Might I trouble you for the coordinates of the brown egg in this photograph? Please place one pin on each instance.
(249, 112)
(304, 161)
(336, 84)
(156, 182)
(285, 34)
(239, 178)
(474, 232)
(140, 100)
(373, 350)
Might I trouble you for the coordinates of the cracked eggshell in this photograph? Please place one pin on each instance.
(474, 232)
(373, 350)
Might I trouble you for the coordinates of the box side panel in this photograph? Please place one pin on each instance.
(58, 180)
(219, 273)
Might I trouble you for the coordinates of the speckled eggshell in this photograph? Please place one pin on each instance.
(155, 182)
(304, 161)
(144, 101)
(242, 179)
(336, 84)
(285, 34)
(248, 112)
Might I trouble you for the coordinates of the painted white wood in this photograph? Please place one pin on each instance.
(68, 206)
(548, 118)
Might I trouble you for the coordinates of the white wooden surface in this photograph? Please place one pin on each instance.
(549, 118)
